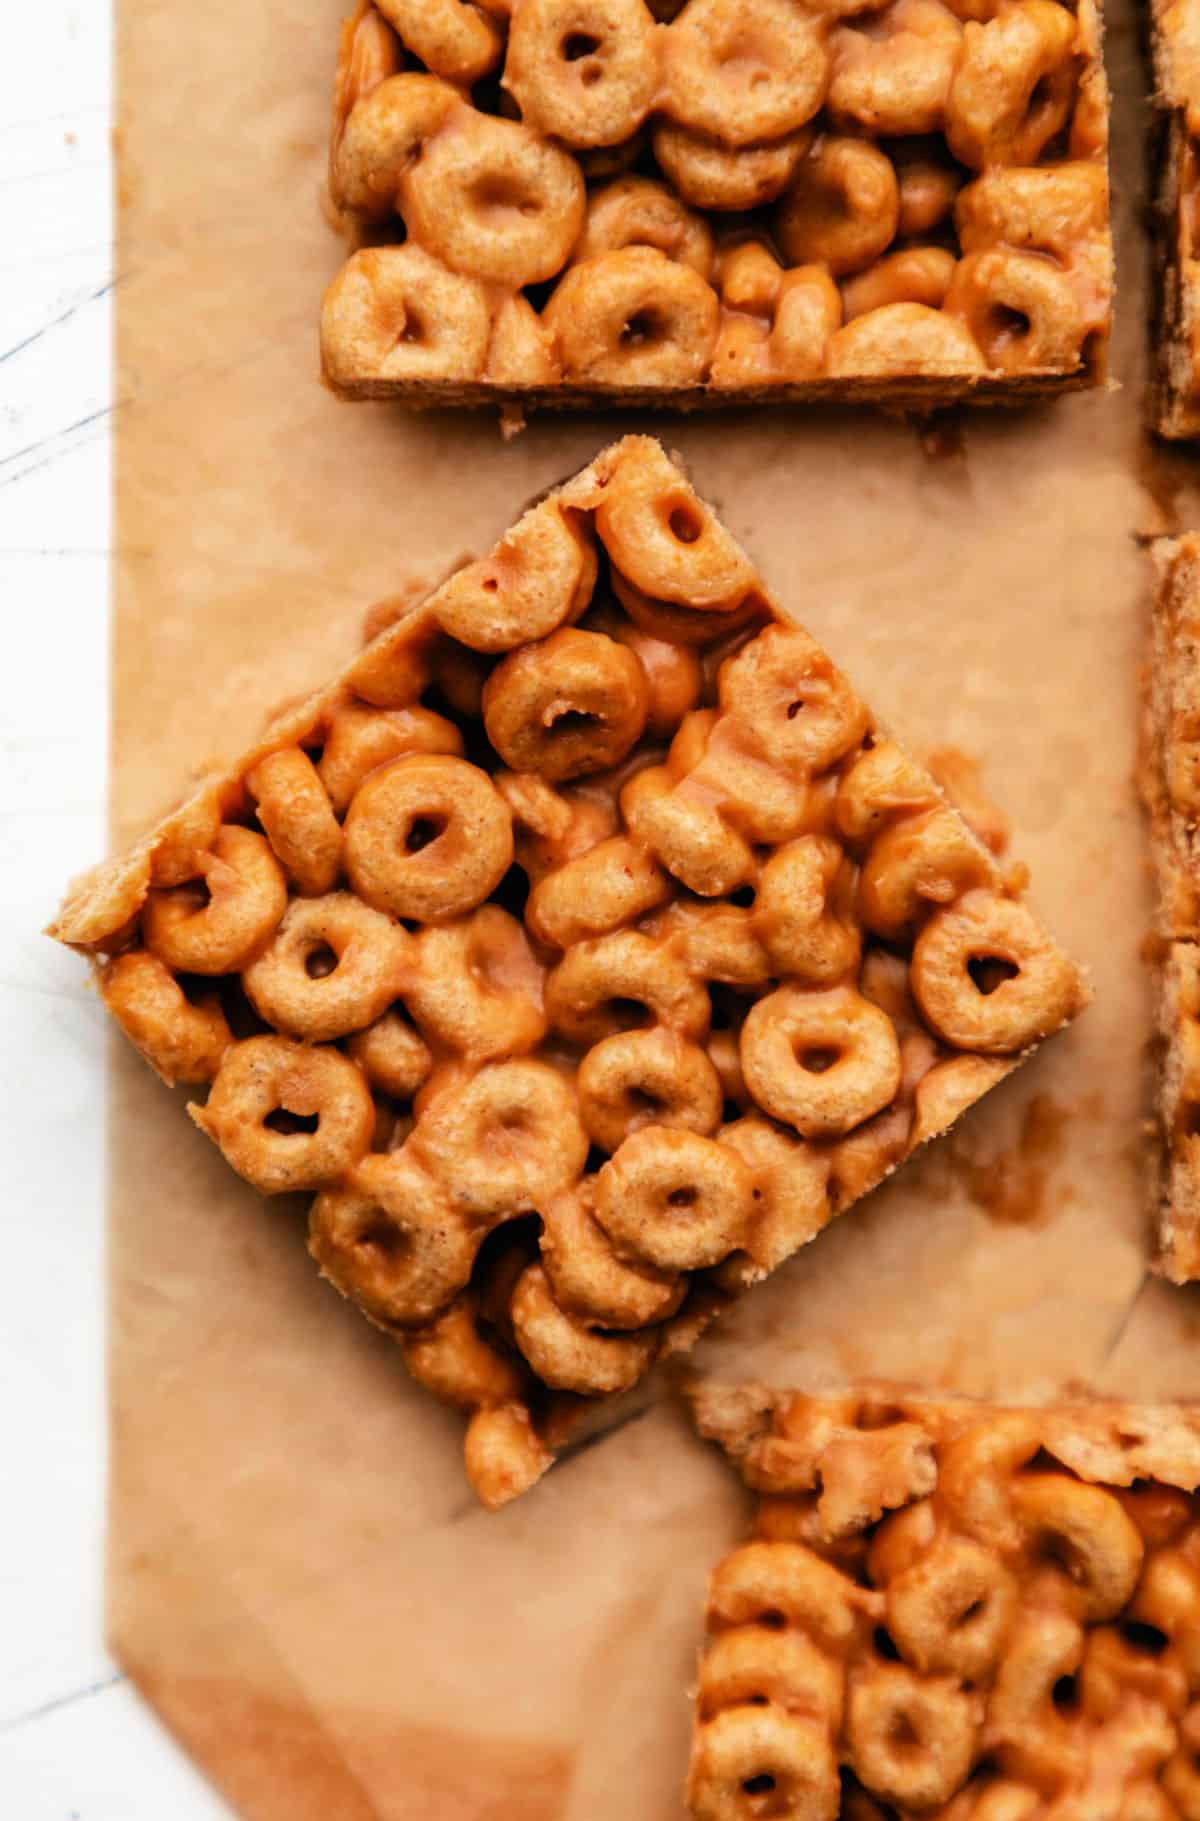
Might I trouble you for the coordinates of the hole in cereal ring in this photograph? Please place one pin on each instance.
(902, 1734)
(682, 1198)
(642, 328)
(793, 708)
(990, 971)
(413, 330)
(773, 1619)
(1006, 325)
(320, 962)
(382, 1236)
(292, 1125)
(1065, 1693)
(815, 1061)
(630, 1014)
(1143, 1637)
(885, 1644)
(685, 524)
(577, 45)
(969, 1613)
(422, 831)
(640, 1101)
(570, 720)
(762, 1785)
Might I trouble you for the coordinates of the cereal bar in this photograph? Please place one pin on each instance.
(1170, 777)
(1175, 43)
(582, 949)
(641, 201)
(955, 1609)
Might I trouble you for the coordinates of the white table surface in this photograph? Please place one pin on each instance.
(76, 1743)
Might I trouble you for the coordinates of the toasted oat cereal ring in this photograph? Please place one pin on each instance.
(666, 541)
(977, 1475)
(368, 53)
(722, 1050)
(918, 275)
(587, 1277)
(596, 892)
(395, 313)
(1087, 1530)
(1020, 309)
(638, 212)
(459, 42)
(218, 934)
(634, 318)
(687, 833)
(674, 1199)
(673, 676)
(805, 892)
(384, 134)
(492, 198)
(298, 819)
(807, 315)
(332, 967)
(540, 575)
(392, 1241)
(180, 1041)
(842, 207)
(903, 338)
(919, 862)
(639, 1078)
(763, 803)
(883, 782)
(744, 70)
(360, 739)
(893, 75)
(1015, 82)
(185, 837)
(727, 179)
(744, 1750)
(393, 1057)
(570, 704)
(749, 277)
(398, 664)
(801, 709)
(428, 837)
(584, 71)
(717, 940)
(521, 354)
(1039, 992)
(477, 989)
(791, 1197)
(287, 1116)
(550, 826)
(951, 1608)
(1051, 210)
(755, 1665)
(676, 624)
(928, 187)
(503, 1454)
(910, 1741)
(505, 1140)
(565, 1353)
(601, 986)
(452, 1358)
(763, 1579)
(820, 1061)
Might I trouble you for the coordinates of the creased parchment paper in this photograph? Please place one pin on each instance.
(299, 1577)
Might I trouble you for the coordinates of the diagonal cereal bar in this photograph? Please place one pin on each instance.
(583, 949)
(563, 202)
(955, 1608)
(1170, 780)
(1175, 43)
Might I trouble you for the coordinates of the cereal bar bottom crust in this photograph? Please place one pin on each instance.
(557, 202)
(952, 1609)
(582, 949)
(1170, 784)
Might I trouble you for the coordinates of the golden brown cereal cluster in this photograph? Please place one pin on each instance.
(943, 1613)
(1170, 781)
(561, 199)
(1175, 38)
(582, 950)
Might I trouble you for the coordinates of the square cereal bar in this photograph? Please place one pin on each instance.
(1175, 44)
(1170, 779)
(563, 202)
(953, 1608)
(582, 949)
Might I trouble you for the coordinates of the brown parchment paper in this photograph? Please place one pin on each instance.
(299, 1577)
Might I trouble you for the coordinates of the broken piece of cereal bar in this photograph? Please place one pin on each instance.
(597, 947)
(1175, 44)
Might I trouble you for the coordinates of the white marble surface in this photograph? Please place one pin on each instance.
(76, 1744)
